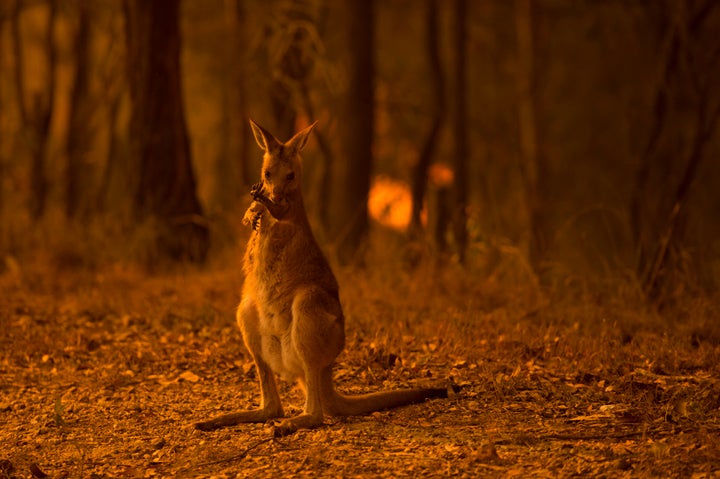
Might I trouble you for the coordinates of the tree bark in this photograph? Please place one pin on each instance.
(4, 143)
(460, 188)
(36, 117)
(638, 208)
(532, 160)
(79, 121)
(290, 73)
(355, 132)
(232, 170)
(420, 172)
(689, 84)
(683, 119)
(166, 189)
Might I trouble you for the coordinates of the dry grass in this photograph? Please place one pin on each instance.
(104, 368)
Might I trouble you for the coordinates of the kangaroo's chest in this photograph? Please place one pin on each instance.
(269, 262)
(270, 253)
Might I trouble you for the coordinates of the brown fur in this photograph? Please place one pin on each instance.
(290, 314)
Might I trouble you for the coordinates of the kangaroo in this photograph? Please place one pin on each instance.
(290, 315)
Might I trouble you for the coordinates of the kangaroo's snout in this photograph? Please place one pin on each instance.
(277, 194)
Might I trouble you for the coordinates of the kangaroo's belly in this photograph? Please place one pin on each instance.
(275, 334)
(279, 353)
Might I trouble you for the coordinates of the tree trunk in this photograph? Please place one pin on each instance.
(420, 172)
(684, 118)
(231, 174)
(321, 191)
(442, 217)
(355, 132)
(166, 189)
(532, 160)
(639, 211)
(460, 189)
(4, 144)
(112, 172)
(294, 65)
(117, 172)
(36, 118)
(76, 175)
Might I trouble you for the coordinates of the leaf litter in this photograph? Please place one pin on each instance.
(108, 383)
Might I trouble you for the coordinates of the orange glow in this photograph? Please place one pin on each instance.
(441, 175)
(390, 203)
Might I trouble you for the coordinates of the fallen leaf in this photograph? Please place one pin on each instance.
(189, 376)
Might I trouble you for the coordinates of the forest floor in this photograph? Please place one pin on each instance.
(103, 373)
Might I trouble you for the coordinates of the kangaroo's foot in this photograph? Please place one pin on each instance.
(235, 418)
(291, 425)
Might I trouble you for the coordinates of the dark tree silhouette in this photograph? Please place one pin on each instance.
(3, 132)
(37, 116)
(532, 159)
(420, 172)
(460, 188)
(111, 194)
(355, 131)
(78, 129)
(233, 170)
(166, 190)
(685, 91)
(294, 65)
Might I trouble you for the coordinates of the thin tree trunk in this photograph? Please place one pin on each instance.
(231, 178)
(322, 190)
(638, 209)
(111, 194)
(460, 131)
(443, 216)
(105, 197)
(705, 128)
(37, 117)
(420, 172)
(532, 161)
(682, 85)
(19, 58)
(79, 130)
(292, 71)
(4, 143)
(705, 125)
(324, 184)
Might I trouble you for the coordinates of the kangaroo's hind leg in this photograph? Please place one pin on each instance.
(318, 337)
(270, 408)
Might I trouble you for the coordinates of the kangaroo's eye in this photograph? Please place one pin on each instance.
(291, 176)
(267, 174)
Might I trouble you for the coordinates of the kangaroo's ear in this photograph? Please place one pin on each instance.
(297, 142)
(264, 138)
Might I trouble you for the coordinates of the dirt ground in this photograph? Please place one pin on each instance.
(102, 374)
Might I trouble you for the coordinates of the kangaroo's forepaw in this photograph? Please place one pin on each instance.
(256, 190)
(256, 220)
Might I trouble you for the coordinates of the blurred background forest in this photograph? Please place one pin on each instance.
(556, 141)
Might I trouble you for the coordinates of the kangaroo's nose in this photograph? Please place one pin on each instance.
(276, 193)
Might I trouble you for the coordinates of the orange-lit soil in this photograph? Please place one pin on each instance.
(103, 375)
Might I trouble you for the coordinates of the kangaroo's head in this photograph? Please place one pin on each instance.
(282, 167)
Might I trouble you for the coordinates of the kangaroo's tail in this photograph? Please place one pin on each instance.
(338, 404)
